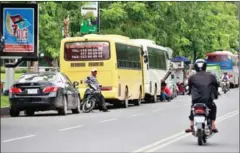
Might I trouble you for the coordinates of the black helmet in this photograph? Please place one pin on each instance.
(200, 65)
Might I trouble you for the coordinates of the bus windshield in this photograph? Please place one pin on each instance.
(217, 58)
(86, 51)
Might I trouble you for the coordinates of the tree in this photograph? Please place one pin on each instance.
(186, 27)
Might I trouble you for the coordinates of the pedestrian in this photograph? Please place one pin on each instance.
(165, 92)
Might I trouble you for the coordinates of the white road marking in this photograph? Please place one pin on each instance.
(156, 110)
(158, 142)
(70, 128)
(136, 115)
(109, 120)
(19, 138)
(169, 140)
(157, 148)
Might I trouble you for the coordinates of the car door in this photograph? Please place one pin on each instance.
(68, 90)
(71, 90)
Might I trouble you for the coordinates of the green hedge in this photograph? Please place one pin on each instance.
(17, 70)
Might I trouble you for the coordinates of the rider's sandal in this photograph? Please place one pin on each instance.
(189, 130)
(214, 130)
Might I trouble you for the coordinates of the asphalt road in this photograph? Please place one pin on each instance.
(155, 127)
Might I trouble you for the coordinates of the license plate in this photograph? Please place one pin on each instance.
(32, 91)
(199, 119)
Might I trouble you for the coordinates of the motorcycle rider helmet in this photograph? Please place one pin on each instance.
(200, 65)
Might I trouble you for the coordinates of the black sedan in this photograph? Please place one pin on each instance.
(44, 91)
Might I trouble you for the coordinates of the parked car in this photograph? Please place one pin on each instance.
(44, 91)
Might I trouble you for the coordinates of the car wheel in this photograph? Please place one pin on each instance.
(29, 112)
(14, 112)
(78, 108)
(63, 110)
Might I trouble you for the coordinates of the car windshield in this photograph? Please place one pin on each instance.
(37, 77)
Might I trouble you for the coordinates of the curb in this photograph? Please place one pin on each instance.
(4, 111)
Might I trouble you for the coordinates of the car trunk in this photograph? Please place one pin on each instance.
(32, 88)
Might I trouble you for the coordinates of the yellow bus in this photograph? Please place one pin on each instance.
(117, 60)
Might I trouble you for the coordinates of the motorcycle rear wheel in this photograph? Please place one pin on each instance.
(200, 138)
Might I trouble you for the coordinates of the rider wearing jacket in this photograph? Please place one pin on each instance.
(93, 79)
(203, 88)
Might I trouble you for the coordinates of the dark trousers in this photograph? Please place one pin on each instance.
(212, 113)
(101, 102)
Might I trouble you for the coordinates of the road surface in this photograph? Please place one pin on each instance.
(155, 127)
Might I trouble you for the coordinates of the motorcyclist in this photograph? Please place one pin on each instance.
(226, 78)
(93, 79)
(203, 88)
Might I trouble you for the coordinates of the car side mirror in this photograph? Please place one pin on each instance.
(75, 84)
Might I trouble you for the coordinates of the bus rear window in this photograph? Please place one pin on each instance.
(85, 51)
(217, 58)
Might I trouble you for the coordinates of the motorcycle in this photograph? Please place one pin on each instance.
(90, 98)
(224, 86)
(202, 124)
(181, 88)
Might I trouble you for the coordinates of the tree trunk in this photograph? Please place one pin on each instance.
(55, 62)
(28, 66)
(35, 66)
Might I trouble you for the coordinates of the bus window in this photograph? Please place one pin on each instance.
(86, 51)
(157, 59)
(128, 57)
(217, 58)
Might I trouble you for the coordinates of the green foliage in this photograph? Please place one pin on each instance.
(52, 15)
(183, 26)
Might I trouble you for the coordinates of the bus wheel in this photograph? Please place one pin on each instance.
(125, 102)
(139, 100)
(155, 95)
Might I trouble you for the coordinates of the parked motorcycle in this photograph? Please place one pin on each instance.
(202, 123)
(90, 98)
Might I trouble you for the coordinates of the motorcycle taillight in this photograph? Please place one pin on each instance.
(199, 110)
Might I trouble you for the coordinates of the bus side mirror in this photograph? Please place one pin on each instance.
(145, 59)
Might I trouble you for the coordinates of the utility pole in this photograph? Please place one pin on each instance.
(239, 27)
(239, 40)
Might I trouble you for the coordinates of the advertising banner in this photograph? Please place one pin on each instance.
(19, 29)
(91, 18)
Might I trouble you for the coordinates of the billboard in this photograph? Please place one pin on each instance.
(19, 27)
(91, 18)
